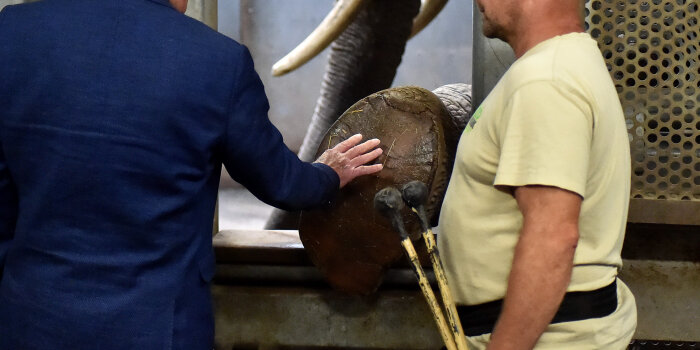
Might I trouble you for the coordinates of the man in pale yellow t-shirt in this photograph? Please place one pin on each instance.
(534, 216)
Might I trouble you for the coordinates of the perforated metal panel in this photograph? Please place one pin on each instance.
(661, 345)
(651, 50)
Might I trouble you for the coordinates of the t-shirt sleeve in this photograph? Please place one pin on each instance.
(546, 139)
(255, 154)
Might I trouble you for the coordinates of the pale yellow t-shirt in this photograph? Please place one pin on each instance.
(553, 119)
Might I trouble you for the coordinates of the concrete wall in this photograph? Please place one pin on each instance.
(440, 55)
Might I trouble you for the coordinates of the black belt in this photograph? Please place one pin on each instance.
(481, 318)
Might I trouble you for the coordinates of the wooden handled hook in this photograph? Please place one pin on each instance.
(429, 295)
(389, 203)
(415, 194)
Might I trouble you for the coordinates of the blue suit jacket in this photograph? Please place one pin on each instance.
(115, 118)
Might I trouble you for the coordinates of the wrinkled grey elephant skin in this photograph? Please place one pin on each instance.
(363, 60)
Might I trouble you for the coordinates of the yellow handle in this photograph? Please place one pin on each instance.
(450, 307)
(429, 295)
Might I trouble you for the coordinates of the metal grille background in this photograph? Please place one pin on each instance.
(662, 345)
(651, 50)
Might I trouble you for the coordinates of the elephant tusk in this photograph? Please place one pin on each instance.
(429, 9)
(340, 17)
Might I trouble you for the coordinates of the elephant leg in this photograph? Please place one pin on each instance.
(363, 60)
(457, 98)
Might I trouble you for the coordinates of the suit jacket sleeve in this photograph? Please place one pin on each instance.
(256, 156)
(8, 210)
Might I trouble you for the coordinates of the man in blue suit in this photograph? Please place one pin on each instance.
(115, 118)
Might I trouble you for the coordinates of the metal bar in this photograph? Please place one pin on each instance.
(491, 59)
(210, 12)
(657, 211)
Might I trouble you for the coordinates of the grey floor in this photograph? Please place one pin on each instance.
(239, 209)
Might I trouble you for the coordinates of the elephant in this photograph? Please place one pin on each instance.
(350, 243)
(371, 39)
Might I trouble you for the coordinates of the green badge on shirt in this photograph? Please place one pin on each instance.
(474, 119)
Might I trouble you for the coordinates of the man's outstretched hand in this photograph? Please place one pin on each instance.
(348, 159)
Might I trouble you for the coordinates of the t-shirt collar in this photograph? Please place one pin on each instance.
(554, 39)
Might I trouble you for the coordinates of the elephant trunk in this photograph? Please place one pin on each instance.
(363, 60)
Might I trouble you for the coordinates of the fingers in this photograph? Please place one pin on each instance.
(348, 144)
(367, 157)
(347, 158)
(347, 177)
(362, 148)
(369, 169)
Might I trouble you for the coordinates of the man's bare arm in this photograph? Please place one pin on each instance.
(542, 265)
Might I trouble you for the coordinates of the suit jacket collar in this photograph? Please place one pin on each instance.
(162, 2)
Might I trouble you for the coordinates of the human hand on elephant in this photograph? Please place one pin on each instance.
(349, 157)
